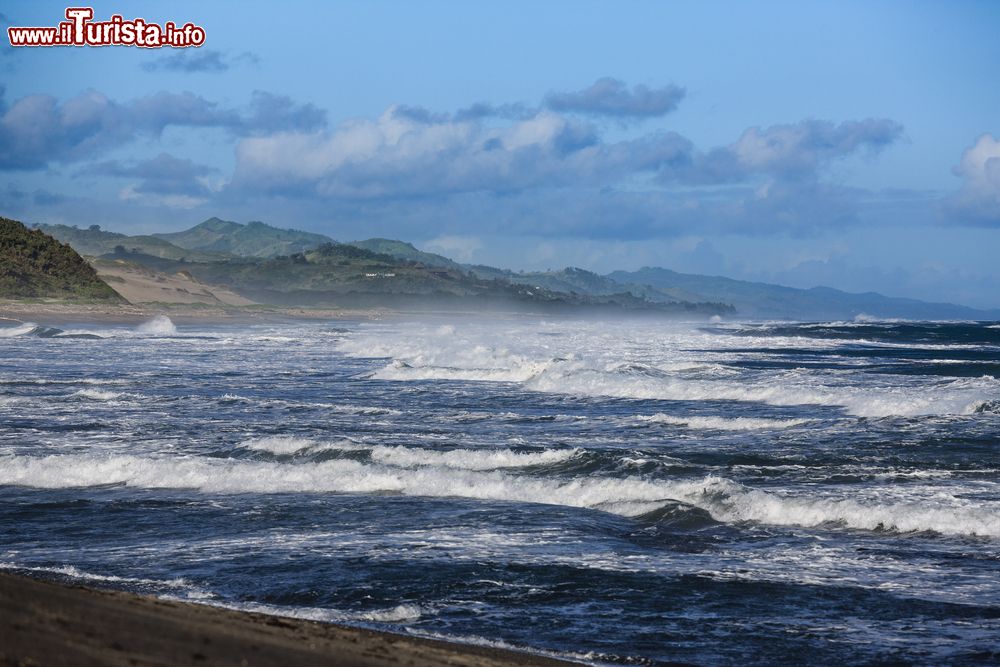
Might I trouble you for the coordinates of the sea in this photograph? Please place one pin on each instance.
(608, 491)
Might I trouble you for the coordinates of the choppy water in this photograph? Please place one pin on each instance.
(613, 492)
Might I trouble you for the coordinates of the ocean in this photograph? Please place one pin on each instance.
(628, 492)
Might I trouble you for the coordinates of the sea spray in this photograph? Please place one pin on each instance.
(161, 325)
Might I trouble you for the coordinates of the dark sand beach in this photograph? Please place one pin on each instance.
(46, 623)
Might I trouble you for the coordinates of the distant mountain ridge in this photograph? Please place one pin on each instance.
(764, 300)
(750, 299)
(231, 248)
(35, 265)
(343, 275)
(582, 281)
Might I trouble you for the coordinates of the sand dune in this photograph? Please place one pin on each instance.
(142, 285)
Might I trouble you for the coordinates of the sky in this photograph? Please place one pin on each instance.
(848, 144)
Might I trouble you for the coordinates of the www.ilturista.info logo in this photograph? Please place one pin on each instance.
(81, 30)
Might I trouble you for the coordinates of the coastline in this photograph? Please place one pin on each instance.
(61, 312)
(48, 623)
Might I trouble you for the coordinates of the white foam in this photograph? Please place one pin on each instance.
(469, 459)
(161, 325)
(401, 614)
(96, 394)
(45, 381)
(408, 457)
(943, 515)
(722, 423)
(71, 571)
(19, 330)
(660, 362)
(934, 510)
(958, 396)
(284, 445)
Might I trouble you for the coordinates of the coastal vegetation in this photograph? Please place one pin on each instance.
(33, 265)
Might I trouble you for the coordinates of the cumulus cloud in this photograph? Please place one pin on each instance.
(278, 113)
(483, 110)
(503, 168)
(408, 153)
(978, 202)
(772, 175)
(612, 97)
(39, 129)
(793, 150)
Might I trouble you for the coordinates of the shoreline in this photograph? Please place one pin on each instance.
(50, 313)
(55, 313)
(49, 623)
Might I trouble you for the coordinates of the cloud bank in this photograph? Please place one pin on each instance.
(38, 130)
(549, 169)
(403, 154)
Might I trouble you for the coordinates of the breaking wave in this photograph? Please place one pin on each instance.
(30, 330)
(408, 457)
(722, 423)
(401, 614)
(723, 499)
(675, 364)
(75, 573)
(19, 330)
(566, 376)
(96, 394)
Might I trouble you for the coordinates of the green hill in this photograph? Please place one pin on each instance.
(34, 265)
(94, 241)
(404, 250)
(254, 239)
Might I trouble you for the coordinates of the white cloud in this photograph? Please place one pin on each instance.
(979, 199)
(401, 154)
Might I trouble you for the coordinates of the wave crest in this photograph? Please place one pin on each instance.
(409, 457)
(723, 499)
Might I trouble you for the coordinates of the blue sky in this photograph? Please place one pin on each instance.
(851, 144)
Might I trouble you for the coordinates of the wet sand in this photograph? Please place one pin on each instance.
(44, 623)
